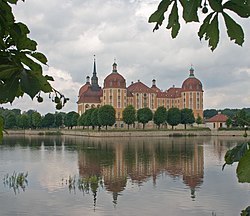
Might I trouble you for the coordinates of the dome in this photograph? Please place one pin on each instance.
(114, 80)
(192, 83)
(85, 87)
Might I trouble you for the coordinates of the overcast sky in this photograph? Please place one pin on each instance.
(71, 32)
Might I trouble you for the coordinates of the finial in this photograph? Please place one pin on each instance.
(191, 71)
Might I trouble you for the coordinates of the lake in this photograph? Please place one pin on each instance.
(70, 175)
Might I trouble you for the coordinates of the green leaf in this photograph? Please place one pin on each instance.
(216, 5)
(243, 168)
(212, 34)
(234, 30)
(204, 26)
(40, 57)
(30, 63)
(245, 212)
(173, 21)
(32, 82)
(10, 89)
(243, 10)
(158, 15)
(50, 78)
(12, 1)
(236, 153)
(25, 43)
(190, 9)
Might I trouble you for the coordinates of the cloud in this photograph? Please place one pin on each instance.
(71, 32)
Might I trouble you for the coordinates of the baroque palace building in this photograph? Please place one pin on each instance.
(115, 92)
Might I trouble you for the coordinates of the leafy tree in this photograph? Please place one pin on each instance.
(23, 121)
(187, 117)
(58, 119)
(36, 119)
(210, 26)
(144, 115)
(87, 118)
(48, 120)
(160, 116)
(129, 115)
(10, 121)
(198, 120)
(81, 120)
(229, 122)
(208, 113)
(241, 118)
(20, 62)
(174, 117)
(74, 119)
(106, 116)
(94, 118)
(71, 119)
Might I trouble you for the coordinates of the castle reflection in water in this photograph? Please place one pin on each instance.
(117, 161)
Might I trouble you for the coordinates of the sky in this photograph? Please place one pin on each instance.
(71, 32)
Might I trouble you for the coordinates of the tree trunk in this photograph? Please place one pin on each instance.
(172, 127)
(143, 126)
(106, 127)
(185, 125)
(159, 127)
(128, 126)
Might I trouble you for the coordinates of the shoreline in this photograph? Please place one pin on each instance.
(127, 133)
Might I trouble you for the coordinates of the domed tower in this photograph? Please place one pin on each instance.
(192, 94)
(115, 92)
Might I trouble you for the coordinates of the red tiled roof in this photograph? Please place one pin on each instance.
(90, 96)
(192, 84)
(156, 89)
(174, 92)
(114, 80)
(140, 87)
(129, 94)
(84, 88)
(218, 118)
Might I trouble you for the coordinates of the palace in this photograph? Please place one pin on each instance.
(115, 92)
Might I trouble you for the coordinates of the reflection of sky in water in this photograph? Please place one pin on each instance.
(170, 192)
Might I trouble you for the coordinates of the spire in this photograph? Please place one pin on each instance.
(114, 67)
(94, 78)
(191, 74)
(94, 71)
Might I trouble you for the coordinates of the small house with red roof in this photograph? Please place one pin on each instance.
(217, 121)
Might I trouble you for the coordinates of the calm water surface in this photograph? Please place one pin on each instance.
(151, 176)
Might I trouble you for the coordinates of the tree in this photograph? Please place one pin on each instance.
(174, 117)
(20, 62)
(36, 119)
(70, 119)
(48, 120)
(241, 118)
(187, 117)
(198, 120)
(106, 116)
(58, 119)
(94, 118)
(208, 113)
(144, 115)
(210, 26)
(88, 120)
(160, 116)
(229, 122)
(23, 121)
(81, 120)
(10, 121)
(129, 115)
